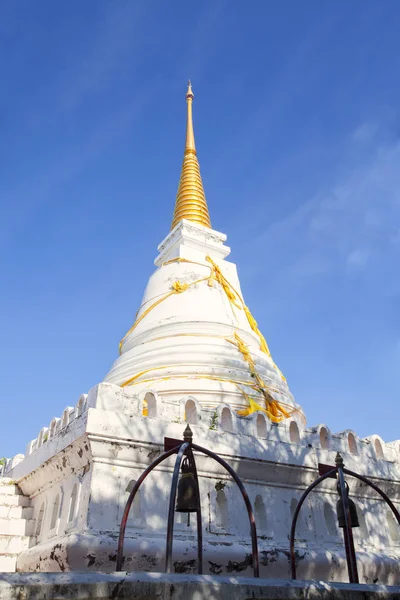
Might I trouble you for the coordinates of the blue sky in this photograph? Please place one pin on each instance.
(298, 134)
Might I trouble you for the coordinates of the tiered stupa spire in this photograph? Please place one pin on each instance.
(193, 334)
(191, 203)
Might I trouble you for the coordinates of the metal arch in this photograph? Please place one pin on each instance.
(131, 498)
(183, 448)
(296, 514)
(377, 489)
(349, 545)
(171, 510)
(253, 530)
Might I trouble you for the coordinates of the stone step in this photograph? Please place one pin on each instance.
(16, 526)
(10, 500)
(13, 544)
(9, 489)
(15, 512)
(8, 563)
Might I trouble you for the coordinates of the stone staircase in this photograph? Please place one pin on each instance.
(16, 524)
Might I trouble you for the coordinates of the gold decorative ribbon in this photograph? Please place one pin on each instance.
(273, 409)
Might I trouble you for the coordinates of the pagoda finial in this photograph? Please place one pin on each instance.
(191, 201)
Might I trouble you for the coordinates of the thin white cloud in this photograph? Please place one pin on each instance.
(358, 258)
(365, 132)
(355, 220)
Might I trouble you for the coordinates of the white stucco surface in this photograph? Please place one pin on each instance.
(75, 474)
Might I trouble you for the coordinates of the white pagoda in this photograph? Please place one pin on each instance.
(194, 355)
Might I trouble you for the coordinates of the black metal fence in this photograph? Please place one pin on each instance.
(184, 449)
(181, 449)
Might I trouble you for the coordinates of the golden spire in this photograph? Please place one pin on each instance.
(191, 201)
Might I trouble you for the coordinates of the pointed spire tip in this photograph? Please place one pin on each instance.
(191, 201)
(189, 93)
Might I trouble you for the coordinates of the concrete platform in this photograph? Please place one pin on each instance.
(160, 586)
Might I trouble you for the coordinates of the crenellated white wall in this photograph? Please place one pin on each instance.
(222, 419)
(90, 462)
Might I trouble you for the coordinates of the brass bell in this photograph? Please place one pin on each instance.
(188, 491)
(352, 507)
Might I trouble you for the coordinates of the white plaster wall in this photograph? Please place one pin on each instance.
(104, 450)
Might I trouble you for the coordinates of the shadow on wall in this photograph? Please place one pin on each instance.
(225, 525)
